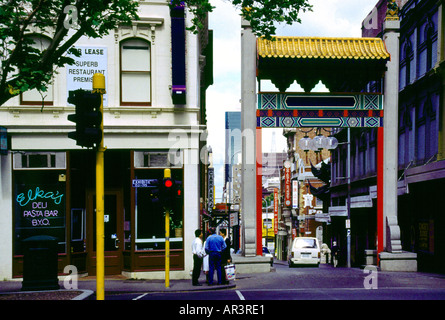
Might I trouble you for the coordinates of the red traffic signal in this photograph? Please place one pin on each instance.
(168, 183)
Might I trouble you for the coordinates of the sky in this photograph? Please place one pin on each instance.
(329, 18)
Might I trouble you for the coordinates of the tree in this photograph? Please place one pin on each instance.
(262, 14)
(25, 66)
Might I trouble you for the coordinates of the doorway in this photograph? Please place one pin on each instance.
(113, 232)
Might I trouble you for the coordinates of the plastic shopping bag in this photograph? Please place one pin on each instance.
(230, 272)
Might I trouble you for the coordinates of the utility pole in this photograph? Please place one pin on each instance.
(99, 87)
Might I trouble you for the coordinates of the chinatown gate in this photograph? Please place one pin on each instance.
(345, 66)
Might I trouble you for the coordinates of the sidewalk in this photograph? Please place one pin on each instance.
(11, 290)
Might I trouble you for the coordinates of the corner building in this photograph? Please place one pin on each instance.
(154, 118)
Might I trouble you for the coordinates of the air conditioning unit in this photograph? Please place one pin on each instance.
(161, 159)
(39, 160)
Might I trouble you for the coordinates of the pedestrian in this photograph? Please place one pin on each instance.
(225, 255)
(197, 257)
(214, 246)
(334, 254)
(205, 262)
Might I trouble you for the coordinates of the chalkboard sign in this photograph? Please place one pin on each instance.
(39, 210)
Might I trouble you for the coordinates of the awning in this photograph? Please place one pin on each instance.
(322, 48)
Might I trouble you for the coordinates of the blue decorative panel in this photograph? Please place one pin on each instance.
(320, 101)
(299, 122)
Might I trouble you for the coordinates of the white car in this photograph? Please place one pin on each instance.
(305, 251)
(266, 253)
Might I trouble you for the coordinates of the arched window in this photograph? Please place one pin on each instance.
(429, 47)
(135, 72)
(408, 57)
(34, 96)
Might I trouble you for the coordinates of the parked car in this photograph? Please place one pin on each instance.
(305, 251)
(266, 253)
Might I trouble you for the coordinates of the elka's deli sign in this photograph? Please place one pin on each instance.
(39, 207)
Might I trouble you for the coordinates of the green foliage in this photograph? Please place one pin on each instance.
(25, 66)
(262, 14)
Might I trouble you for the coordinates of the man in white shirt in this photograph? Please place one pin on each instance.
(197, 257)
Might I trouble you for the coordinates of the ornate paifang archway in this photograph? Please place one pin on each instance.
(345, 66)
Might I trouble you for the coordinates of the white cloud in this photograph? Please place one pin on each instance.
(331, 18)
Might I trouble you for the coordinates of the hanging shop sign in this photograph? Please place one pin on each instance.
(295, 194)
(275, 210)
(210, 189)
(287, 184)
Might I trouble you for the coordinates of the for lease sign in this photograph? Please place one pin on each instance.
(91, 60)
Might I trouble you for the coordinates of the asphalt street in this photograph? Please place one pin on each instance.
(323, 283)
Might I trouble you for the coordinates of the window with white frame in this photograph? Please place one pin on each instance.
(135, 72)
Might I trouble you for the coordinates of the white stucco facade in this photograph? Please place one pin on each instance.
(159, 126)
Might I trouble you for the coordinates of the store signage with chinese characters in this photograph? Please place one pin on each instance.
(295, 194)
(287, 184)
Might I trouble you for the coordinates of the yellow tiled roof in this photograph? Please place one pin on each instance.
(322, 48)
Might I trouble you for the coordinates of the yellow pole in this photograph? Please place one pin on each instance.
(99, 87)
(167, 248)
(167, 175)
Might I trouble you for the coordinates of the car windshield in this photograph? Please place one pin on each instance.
(305, 243)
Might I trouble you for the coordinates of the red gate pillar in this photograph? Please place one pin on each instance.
(259, 193)
(380, 203)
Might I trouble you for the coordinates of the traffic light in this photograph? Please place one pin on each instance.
(171, 193)
(178, 190)
(167, 189)
(88, 118)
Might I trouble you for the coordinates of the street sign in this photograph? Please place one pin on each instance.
(144, 183)
(210, 192)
